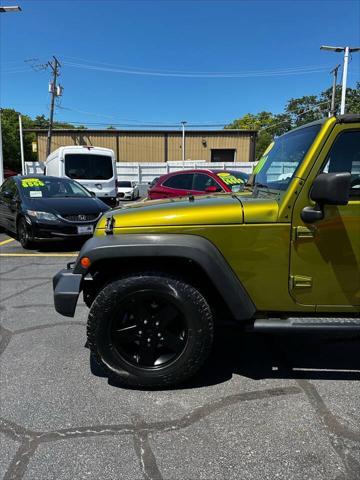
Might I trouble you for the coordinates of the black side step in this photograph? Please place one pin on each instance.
(317, 324)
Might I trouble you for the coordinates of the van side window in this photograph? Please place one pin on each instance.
(344, 156)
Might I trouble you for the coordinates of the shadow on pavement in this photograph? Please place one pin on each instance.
(306, 356)
(255, 356)
(59, 246)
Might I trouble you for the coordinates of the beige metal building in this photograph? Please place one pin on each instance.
(157, 146)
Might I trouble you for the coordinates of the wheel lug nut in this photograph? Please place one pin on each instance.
(145, 322)
(140, 332)
(157, 324)
(149, 340)
(159, 334)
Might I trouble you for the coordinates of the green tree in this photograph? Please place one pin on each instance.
(267, 124)
(309, 108)
(42, 122)
(11, 139)
(297, 112)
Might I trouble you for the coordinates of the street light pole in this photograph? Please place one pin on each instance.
(183, 123)
(344, 80)
(4, 9)
(21, 146)
(347, 51)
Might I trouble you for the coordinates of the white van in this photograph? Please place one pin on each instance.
(93, 167)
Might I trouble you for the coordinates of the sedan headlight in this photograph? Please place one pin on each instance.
(42, 215)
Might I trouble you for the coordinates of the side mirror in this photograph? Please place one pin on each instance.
(93, 194)
(7, 194)
(211, 189)
(327, 189)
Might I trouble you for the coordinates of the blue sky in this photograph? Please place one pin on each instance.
(171, 36)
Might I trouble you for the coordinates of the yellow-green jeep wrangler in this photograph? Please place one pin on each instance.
(283, 255)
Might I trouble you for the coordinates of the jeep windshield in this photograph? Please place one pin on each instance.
(278, 165)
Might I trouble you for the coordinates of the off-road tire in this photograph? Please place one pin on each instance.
(199, 320)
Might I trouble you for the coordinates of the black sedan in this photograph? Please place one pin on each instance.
(43, 207)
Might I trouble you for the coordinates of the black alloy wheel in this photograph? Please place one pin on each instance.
(23, 234)
(150, 330)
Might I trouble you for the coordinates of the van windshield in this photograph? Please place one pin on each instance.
(85, 166)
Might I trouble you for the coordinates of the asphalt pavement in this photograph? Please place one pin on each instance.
(263, 407)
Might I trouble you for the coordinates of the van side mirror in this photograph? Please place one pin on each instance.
(327, 189)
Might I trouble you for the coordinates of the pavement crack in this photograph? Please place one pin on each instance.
(43, 305)
(49, 325)
(328, 418)
(340, 435)
(139, 429)
(14, 431)
(5, 337)
(40, 284)
(19, 463)
(143, 451)
(83, 432)
(205, 410)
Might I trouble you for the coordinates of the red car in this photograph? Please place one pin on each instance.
(197, 182)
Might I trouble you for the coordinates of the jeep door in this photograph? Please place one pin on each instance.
(325, 255)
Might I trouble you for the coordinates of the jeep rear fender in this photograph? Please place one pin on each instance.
(191, 247)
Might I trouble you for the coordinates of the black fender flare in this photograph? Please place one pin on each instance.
(193, 247)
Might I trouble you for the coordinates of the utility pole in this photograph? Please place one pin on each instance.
(5, 9)
(334, 71)
(344, 80)
(183, 123)
(21, 146)
(347, 51)
(1, 155)
(54, 65)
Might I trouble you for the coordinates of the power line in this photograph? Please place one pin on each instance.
(173, 73)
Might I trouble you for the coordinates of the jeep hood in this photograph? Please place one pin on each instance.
(219, 209)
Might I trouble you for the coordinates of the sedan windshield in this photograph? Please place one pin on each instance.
(124, 184)
(48, 187)
(233, 179)
(281, 160)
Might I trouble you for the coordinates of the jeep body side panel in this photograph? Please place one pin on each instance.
(192, 247)
(258, 254)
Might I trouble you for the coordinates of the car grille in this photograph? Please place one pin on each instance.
(81, 217)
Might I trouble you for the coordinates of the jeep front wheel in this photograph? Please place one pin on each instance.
(150, 330)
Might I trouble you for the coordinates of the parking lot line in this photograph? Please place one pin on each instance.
(4, 242)
(72, 255)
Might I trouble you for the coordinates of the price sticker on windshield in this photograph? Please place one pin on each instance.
(230, 179)
(35, 193)
(32, 182)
